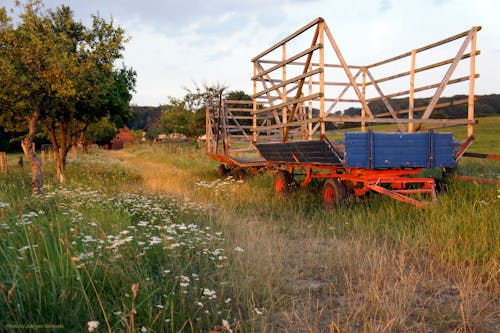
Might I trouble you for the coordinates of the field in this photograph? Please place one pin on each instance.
(149, 239)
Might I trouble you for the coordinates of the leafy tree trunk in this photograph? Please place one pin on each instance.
(61, 143)
(30, 153)
(61, 155)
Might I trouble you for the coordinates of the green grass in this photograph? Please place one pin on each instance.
(72, 256)
(274, 264)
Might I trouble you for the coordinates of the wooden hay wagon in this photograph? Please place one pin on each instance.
(301, 83)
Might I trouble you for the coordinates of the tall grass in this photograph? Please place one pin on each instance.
(79, 254)
(258, 262)
(374, 264)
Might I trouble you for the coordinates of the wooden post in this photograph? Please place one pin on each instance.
(254, 119)
(3, 162)
(309, 113)
(284, 93)
(472, 76)
(363, 91)
(322, 78)
(411, 97)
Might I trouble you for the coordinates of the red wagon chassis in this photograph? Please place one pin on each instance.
(344, 182)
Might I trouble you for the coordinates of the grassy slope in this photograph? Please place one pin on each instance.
(372, 265)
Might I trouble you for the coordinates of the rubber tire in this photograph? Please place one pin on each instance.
(283, 182)
(334, 193)
(222, 170)
(241, 174)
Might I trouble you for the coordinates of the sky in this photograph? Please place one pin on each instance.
(178, 44)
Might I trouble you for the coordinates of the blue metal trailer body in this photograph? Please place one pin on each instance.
(377, 150)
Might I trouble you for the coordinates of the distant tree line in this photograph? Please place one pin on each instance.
(184, 115)
(486, 105)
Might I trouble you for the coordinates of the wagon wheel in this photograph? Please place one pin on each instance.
(334, 192)
(283, 181)
(222, 170)
(241, 174)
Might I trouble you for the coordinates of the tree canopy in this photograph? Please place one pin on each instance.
(59, 76)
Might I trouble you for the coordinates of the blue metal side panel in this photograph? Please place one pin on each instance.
(399, 150)
(357, 150)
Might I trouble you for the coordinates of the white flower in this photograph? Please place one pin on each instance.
(92, 325)
(257, 311)
(209, 293)
(226, 326)
(239, 249)
(144, 329)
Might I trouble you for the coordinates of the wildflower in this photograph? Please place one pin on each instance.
(155, 240)
(92, 325)
(239, 249)
(200, 304)
(227, 301)
(226, 326)
(257, 311)
(209, 293)
(159, 306)
(144, 329)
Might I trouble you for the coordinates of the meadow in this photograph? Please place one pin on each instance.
(149, 239)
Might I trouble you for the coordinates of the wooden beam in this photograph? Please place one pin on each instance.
(483, 155)
(406, 92)
(317, 33)
(291, 102)
(423, 48)
(422, 108)
(386, 102)
(339, 97)
(241, 102)
(314, 64)
(411, 97)
(470, 107)
(347, 71)
(447, 76)
(290, 37)
(422, 69)
(287, 61)
(291, 80)
(347, 119)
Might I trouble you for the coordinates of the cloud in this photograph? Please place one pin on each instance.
(384, 6)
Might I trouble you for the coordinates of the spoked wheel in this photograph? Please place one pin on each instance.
(283, 182)
(222, 170)
(334, 193)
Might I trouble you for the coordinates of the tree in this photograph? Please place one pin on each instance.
(176, 118)
(59, 73)
(101, 132)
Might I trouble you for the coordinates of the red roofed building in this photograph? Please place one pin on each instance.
(123, 137)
